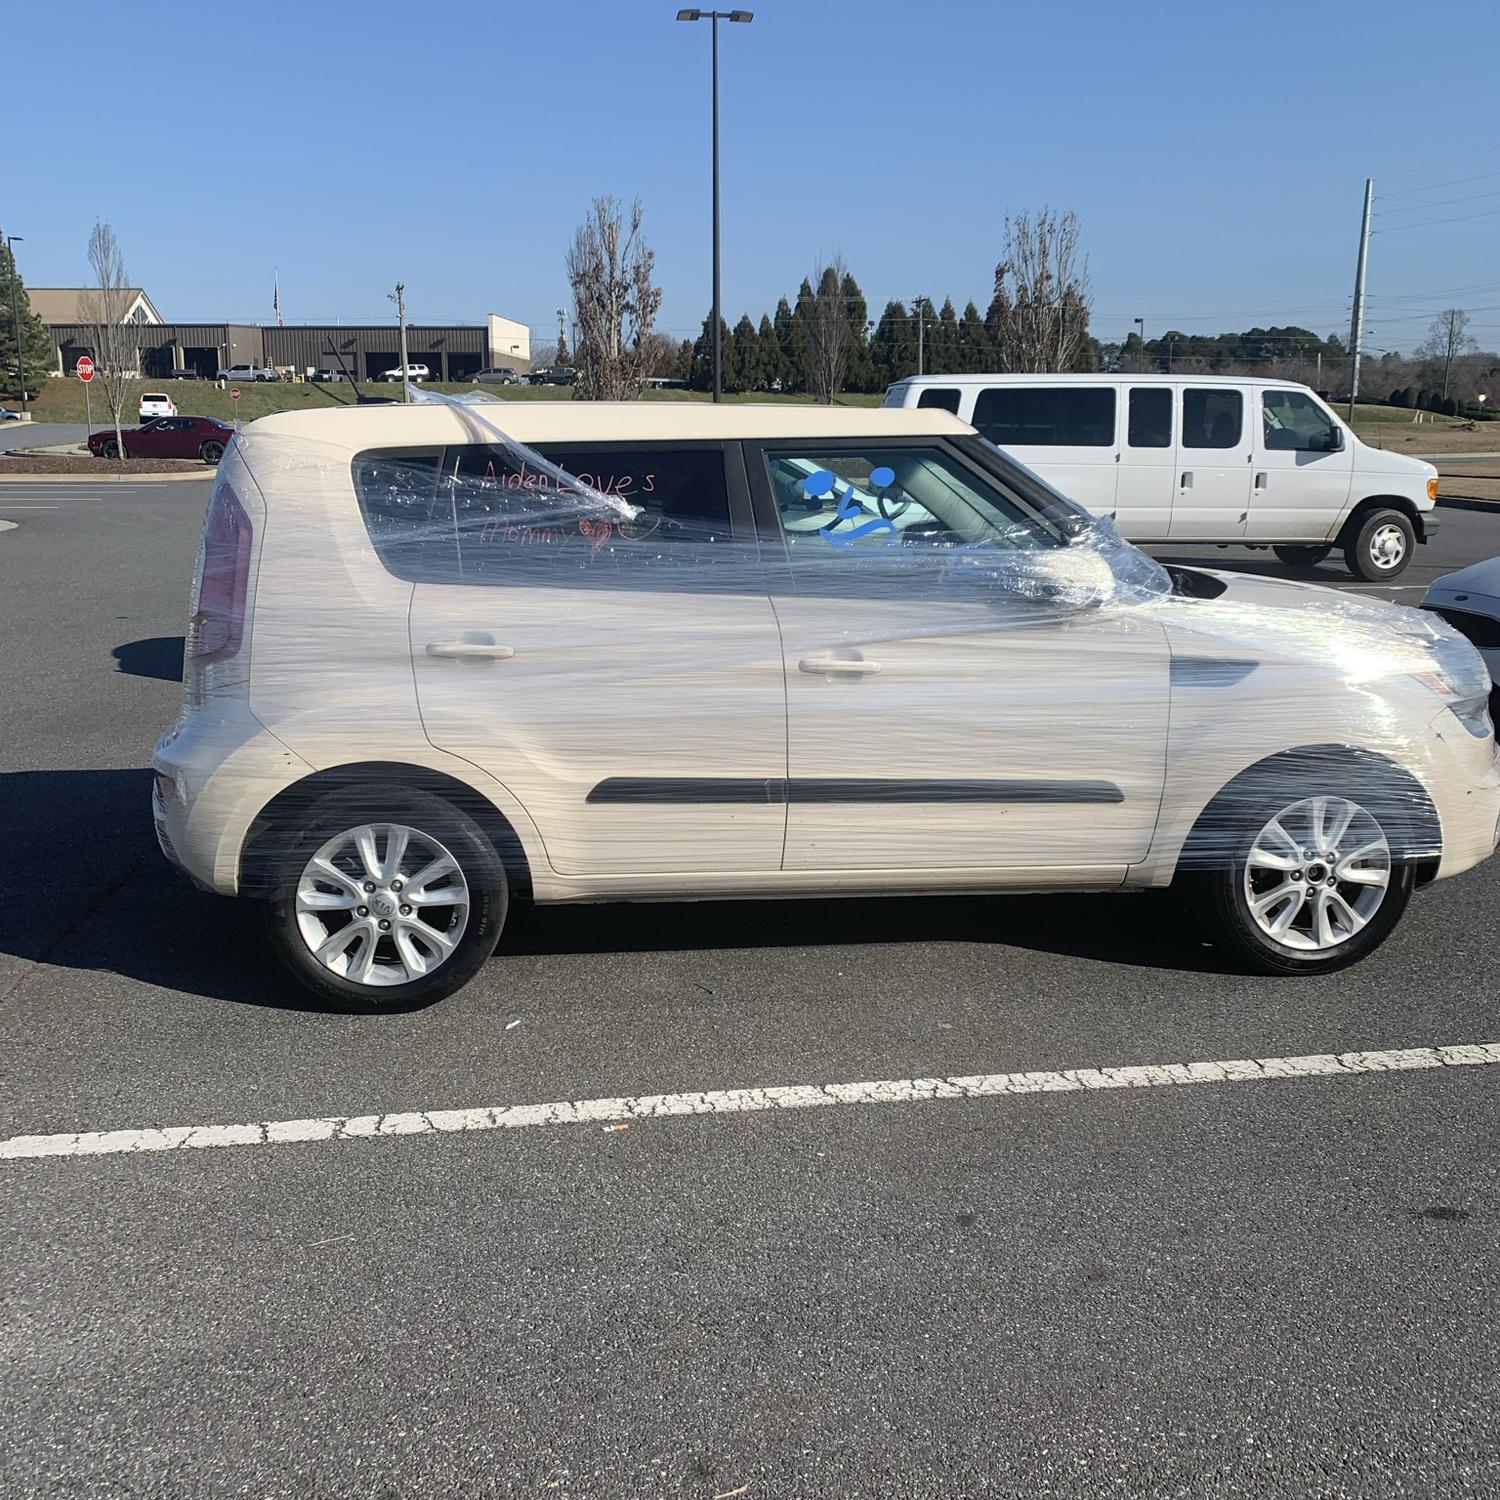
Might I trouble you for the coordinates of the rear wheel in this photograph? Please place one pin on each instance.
(387, 897)
(1302, 557)
(211, 452)
(1308, 871)
(1381, 545)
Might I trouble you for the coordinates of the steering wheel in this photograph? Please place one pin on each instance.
(892, 510)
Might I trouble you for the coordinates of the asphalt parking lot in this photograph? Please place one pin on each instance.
(1278, 1280)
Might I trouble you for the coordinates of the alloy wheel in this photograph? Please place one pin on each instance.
(382, 904)
(1317, 873)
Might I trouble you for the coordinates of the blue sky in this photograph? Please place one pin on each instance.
(1215, 154)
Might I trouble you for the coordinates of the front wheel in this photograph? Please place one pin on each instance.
(388, 897)
(1305, 874)
(1381, 546)
(111, 448)
(211, 452)
(1302, 557)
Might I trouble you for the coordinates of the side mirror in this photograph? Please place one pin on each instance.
(1334, 443)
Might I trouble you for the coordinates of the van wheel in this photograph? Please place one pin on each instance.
(1302, 557)
(386, 897)
(1381, 546)
(211, 452)
(1307, 872)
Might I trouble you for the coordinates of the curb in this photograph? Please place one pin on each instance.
(1459, 502)
(135, 478)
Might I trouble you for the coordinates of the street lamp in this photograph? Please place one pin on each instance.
(742, 16)
(11, 241)
(1141, 324)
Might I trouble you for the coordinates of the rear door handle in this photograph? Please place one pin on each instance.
(817, 665)
(1187, 479)
(470, 650)
(1260, 479)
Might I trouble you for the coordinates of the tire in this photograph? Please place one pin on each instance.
(211, 452)
(1234, 837)
(374, 969)
(111, 448)
(1381, 546)
(1302, 557)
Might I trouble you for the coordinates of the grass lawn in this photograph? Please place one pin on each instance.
(61, 400)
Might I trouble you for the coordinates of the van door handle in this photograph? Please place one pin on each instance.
(816, 665)
(1187, 479)
(470, 650)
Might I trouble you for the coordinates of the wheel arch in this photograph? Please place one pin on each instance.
(1355, 519)
(285, 813)
(1398, 798)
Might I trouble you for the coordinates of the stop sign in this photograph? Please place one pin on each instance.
(85, 368)
(234, 394)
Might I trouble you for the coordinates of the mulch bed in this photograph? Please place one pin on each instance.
(100, 468)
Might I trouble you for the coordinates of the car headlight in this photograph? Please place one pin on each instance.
(1460, 678)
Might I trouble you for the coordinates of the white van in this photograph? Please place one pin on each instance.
(1203, 458)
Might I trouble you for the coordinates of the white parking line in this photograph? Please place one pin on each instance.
(617, 1111)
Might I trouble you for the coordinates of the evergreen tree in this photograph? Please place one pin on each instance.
(788, 332)
(974, 356)
(943, 357)
(772, 367)
(893, 349)
(744, 373)
(801, 375)
(38, 355)
(564, 358)
(861, 374)
(701, 373)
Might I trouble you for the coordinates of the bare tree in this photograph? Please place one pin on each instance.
(826, 323)
(1447, 340)
(615, 304)
(1039, 316)
(103, 308)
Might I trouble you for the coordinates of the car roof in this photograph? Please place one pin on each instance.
(1094, 378)
(358, 427)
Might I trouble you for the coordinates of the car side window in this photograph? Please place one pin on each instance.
(1150, 417)
(477, 514)
(1212, 418)
(1292, 422)
(850, 502)
(1056, 416)
(944, 398)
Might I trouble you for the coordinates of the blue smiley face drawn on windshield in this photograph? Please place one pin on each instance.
(824, 483)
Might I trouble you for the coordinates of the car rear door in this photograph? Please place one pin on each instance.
(956, 699)
(620, 675)
(1068, 433)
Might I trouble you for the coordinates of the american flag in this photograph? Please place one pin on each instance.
(276, 302)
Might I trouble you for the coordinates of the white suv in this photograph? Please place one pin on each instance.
(717, 651)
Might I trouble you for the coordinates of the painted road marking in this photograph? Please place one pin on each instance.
(738, 1101)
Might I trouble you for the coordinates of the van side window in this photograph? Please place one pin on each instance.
(476, 514)
(945, 399)
(1058, 416)
(1212, 418)
(1150, 417)
(1295, 423)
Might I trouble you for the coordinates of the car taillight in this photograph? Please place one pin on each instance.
(221, 583)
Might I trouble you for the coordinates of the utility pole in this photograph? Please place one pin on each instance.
(1449, 341)
(1357, 326)
(11, 241)
(918, 305)
(399, 298)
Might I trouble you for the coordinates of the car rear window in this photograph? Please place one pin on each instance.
(476, 514)
(156, 396)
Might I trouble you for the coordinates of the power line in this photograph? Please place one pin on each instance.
(1414, 208)
(1426, 223)
(1432, 187)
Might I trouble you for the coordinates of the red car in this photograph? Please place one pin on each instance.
(167, 437)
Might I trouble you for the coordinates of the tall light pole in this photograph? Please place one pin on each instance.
(716, 16)
(1141, 324)
(399, 298)
(11, 241)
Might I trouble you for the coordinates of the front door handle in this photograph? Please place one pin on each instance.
(470, 650)
(854, 667)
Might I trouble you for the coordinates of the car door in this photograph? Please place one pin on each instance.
(614, 662)
(1067, 432)
(153, 440)
(957, 696)
(1214, 452)
(1148, 463)
(1303, 468)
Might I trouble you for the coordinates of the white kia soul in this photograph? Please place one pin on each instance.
(643, 651)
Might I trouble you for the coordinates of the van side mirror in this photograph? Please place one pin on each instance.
(1335, 441)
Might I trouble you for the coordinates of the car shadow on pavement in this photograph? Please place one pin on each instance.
(127, 912)
(158, 656)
